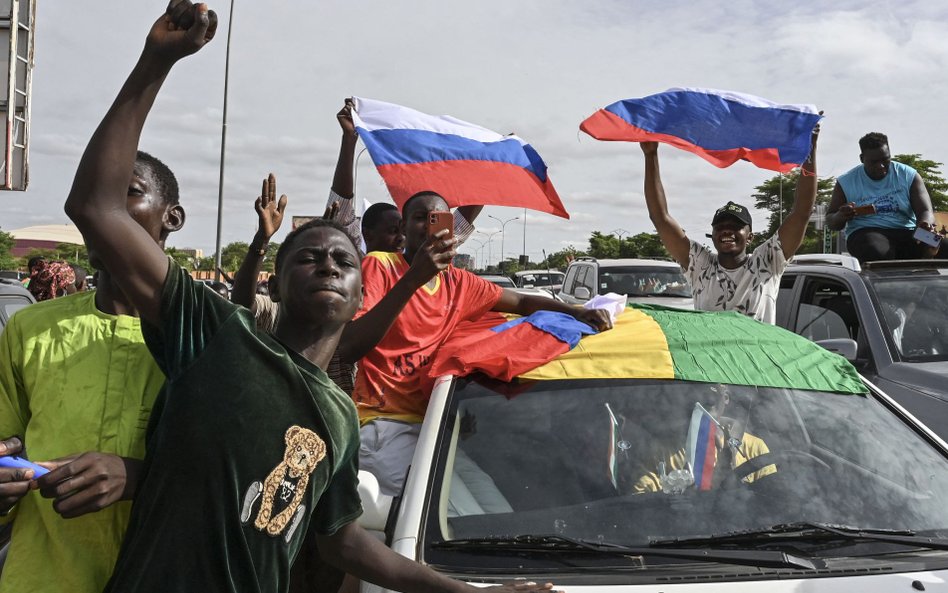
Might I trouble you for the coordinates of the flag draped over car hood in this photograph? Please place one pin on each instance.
(721, 127)
(653, 342)
(463, 162)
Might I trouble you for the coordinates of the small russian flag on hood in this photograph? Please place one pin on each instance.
(463, 162)
(721, 127)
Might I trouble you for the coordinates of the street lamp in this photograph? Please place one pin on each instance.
(490, 237)
(618, 233)
(503, 223)
(480, 246)
(220, 183)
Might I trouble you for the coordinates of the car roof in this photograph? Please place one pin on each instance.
(641, 262)
(8, 286)
(873, 269)
(525, 272)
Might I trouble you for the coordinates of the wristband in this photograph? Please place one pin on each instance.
(259, 251)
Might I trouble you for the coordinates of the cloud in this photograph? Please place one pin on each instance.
(534, 67)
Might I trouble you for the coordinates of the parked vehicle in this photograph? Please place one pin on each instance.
(499, 279)
(575, 472)
(643, 280)
(505, 282)
(13, 297)
(551, 280)
(890, 319)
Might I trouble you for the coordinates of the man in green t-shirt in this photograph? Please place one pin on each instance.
(250, 445)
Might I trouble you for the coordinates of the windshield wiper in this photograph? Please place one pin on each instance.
(552, 543)
(804, 530)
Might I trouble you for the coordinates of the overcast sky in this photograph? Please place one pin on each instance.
(533, 67)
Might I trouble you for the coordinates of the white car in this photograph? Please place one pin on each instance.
(583, 481)
(651, 281)
(551, 280)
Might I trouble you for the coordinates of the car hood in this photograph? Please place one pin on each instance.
(927, 377)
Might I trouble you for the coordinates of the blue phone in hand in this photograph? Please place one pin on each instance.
(12, 461)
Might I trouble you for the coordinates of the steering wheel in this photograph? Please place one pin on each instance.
(758, 463)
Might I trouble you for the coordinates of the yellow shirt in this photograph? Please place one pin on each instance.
(750, 444)
(72, 380)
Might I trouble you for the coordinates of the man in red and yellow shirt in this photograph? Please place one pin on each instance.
(413, 303)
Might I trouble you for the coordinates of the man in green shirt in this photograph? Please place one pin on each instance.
(77, 384)
(249, 445)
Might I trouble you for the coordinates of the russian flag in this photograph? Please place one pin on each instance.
(700, 449)
(721, 127)
(464, 163)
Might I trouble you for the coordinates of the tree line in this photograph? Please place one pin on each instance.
(771, 196)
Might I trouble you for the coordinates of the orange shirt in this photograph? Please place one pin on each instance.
(392, 380)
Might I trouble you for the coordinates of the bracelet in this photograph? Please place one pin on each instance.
(259, 251)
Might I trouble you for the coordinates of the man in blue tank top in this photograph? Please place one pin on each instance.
(879, 204)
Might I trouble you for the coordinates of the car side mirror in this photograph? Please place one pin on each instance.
(375, 505)
(582, 293)
(845, 347)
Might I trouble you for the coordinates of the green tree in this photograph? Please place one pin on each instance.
(7, 260)
(182, 259)
(604, 246)
(768, 196)
(74, 254)
(934, 182)
(644, 245)
(560, 259)
(232, 254)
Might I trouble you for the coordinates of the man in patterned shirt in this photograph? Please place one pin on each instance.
(732, 279)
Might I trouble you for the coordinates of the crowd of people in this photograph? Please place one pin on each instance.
(196, 442)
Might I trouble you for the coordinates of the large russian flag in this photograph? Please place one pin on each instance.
(721, 127)
(464, 163)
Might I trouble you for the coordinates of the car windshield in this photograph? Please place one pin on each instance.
(539, 279)
(914, 313)
(634, 461)
(638, 281)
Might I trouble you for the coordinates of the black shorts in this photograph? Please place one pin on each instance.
(872, 244)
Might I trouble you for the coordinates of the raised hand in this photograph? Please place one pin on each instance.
(14, 482)
(181, 31)
(269, 209)
(88, 483)
(344, 117)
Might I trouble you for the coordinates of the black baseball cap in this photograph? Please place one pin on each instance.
(732, 210)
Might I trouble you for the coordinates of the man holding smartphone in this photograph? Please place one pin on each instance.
(883, 207)
(413, 303)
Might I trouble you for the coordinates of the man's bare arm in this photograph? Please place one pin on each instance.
(922, 204)
(512, 301)
(342, 183)
(793, 229)
(352, 549)
(97, 200)
(669, 231)
(839, 211)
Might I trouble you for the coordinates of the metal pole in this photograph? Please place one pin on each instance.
(781, 199)
(220, 183)
(525, 237)
(503, 226)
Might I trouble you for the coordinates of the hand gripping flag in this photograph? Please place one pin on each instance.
(464, 163)
(719, 126)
